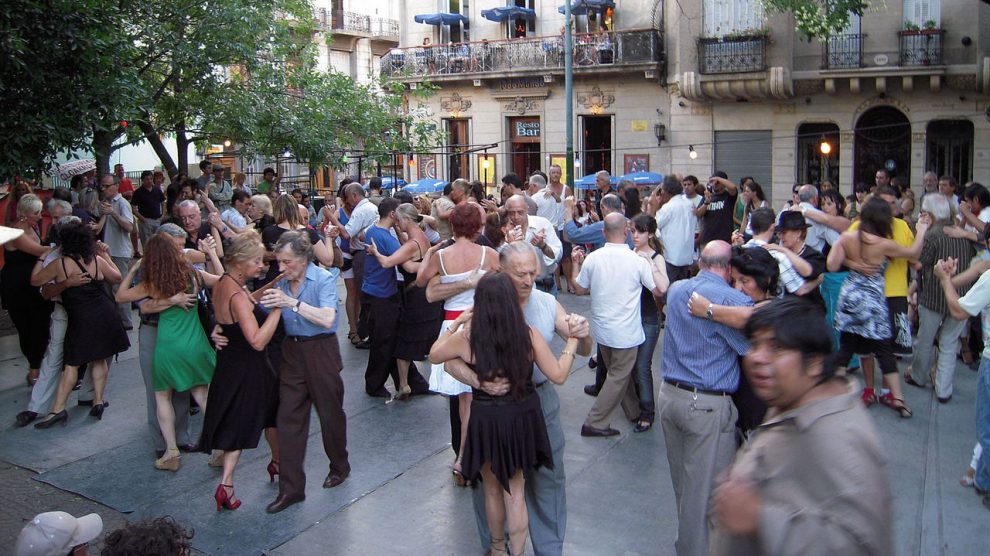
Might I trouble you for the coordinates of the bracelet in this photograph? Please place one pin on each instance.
(567, 352)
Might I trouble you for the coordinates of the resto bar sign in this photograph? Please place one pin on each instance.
(528, 129)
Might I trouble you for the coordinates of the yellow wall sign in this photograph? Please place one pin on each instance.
(640, 125)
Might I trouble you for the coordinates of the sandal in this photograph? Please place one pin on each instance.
(354, 338)
(869, 397)
(643, 425)
(897, 404)
(459, 479)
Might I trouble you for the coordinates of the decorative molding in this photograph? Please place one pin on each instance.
(596, 100)
(774, 83)
(521, 105)
(455, 104)
(846, 138)
(877, 101)
(785, 108)
(918, 137)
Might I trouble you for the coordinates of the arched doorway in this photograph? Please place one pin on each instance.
(883, 140)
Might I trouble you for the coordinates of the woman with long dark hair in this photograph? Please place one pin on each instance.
(646, 245)
(862, 315)
(184, 358)
(94, 331)
(507, 436)
(752, 198)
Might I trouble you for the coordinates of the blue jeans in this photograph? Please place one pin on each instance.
(983, 424)
(643, 371)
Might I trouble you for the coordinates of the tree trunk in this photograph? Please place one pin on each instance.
(102, 145)
(155, 140)
(182, 142)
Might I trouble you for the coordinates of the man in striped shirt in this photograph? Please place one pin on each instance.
(700, 372)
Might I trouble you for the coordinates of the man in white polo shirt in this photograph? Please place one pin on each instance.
(617, 276)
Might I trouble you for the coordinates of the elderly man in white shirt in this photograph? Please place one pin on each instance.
(364, 214)
(541, 233)
(817, 232)
(676, 224)
(617, 277)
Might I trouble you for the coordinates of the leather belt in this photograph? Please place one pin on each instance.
(298, 339)
(695, 389)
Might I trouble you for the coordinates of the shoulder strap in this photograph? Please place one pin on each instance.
(483, 253)
(419, 248)
(654, 256)
(440, 257)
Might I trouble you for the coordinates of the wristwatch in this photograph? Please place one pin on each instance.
(295, 308)
(709, 312)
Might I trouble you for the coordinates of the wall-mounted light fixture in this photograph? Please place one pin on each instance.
(660, 131)
(692, 154)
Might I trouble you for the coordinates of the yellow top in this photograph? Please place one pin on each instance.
(896, 277)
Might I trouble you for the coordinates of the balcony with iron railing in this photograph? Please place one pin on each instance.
(843, 51)
(351, 22)
(921, 47)
(634, 49)
(732, 54)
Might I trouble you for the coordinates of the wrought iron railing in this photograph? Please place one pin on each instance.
(843, 51)
(922, 47)
(616, 48)
(327, 20)
(732, 55)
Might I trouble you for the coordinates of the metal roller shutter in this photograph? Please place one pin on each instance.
(745, 153)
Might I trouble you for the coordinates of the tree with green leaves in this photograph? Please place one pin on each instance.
(819, 18)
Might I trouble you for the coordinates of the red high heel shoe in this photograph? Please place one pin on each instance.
(272, 470)
(225, 500)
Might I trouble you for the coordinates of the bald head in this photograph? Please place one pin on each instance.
(615, 228)
(715, 257)
(611, 203)
(808, 194)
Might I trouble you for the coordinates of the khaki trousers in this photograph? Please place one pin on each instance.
(619, 387)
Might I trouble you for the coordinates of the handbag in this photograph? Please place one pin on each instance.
(204, 307)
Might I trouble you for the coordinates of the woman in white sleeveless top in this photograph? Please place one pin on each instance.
(463, 262)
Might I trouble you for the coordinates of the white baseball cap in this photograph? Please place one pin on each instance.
(9, 234)
(56, 533)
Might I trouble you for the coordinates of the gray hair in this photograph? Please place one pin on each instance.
(602, 174)
(612, 202)
(28, 204)
(537, 179)
(626, 181)
(409, 212)
(672, 186)
(297, 243)
(807, 192)
(172, 229)
(937, 206)
(518, 248)
(59, 204)
(187, 203)
(531, 207)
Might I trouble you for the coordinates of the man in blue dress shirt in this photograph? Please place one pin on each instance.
(310, 369)
(700, 372)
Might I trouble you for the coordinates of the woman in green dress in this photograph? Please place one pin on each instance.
(184, 358)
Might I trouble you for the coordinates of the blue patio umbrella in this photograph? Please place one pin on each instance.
(425, 185)
(440, 19)
(503, 13)
(588, 182)
(643, 178)
(390, 182)
(581, 7)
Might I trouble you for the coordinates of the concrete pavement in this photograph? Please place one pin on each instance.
(400, 499)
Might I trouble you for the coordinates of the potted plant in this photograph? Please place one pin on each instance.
(931, 25)
(911, 27)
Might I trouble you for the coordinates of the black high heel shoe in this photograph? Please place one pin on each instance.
(97, 410)
(53, 419)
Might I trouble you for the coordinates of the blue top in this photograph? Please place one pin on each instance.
(697, 351)
(593, 233)
(379, 281)
(319, 289)
(345, 244)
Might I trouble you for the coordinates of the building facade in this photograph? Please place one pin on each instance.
(906, 87)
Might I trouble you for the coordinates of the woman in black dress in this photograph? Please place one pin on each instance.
(244, 393)
(420, 320)
(507, 436)
(30, 312)
(94, 332)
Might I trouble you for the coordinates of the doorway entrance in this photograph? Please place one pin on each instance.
(458, 164)
(524, 136)
(949, 149)
(597, 133)
(818, 153)
(883, 140)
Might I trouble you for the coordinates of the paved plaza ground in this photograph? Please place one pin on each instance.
(400, 499)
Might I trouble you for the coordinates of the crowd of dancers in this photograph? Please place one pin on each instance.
(236, 294)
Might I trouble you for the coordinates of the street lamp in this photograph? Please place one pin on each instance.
(660, 131)
(692, 154)
(825, 147)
